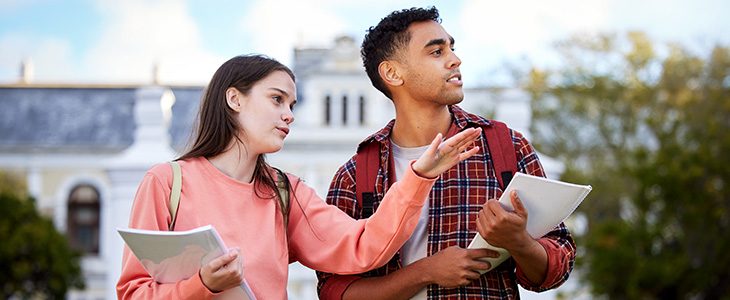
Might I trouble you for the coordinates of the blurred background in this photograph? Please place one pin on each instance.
(631, 97)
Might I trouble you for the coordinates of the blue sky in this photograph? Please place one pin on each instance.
(119, 42)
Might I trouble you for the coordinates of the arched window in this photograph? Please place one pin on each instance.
(327, 109)
(83, 219)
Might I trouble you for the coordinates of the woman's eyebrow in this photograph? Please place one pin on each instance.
(280, 91)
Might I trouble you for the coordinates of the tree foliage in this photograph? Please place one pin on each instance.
(651, 133)
(35, 260)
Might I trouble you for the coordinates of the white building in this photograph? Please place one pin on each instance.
(84, 149)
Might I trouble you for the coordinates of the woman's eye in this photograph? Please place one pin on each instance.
(276, 98)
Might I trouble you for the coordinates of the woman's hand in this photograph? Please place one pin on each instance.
(224, 272)
(440, 157)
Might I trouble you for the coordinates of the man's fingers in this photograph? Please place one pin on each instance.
(517, 204)
(482, 253)
(495, 208)
(474, 275)
(483, 218)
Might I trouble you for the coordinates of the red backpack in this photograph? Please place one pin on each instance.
(367, 164)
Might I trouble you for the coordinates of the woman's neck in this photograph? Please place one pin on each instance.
(236, 163)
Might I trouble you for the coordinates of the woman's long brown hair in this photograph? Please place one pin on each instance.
(217, 126)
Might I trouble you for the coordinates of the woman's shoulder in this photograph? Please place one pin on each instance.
(160, 173)
(165, 169)
(161, 168)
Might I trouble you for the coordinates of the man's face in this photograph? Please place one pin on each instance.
(431, 68)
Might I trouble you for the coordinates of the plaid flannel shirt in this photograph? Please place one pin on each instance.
(455, 200)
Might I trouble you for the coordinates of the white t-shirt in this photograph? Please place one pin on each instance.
(415, 248)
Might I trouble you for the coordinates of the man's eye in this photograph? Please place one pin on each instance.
(437, 51)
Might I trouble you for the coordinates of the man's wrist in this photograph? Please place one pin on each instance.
(422, 271)
(524, 245)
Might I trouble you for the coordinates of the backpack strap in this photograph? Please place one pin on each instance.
(284, 192)
(367, 163)
(175, 192)
(502, 149)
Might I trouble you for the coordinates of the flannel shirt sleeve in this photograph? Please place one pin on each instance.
(558, 243)
(341, 194)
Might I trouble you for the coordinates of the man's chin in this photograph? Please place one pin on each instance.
(456, 99)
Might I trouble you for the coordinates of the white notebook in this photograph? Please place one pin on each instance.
(548, 203)
(170, 256)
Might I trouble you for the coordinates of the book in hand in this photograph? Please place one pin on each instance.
(171, 256)
(548, 203)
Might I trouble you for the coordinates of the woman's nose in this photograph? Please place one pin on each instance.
(288, 116)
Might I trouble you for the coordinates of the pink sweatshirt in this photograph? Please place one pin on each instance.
(321, 236)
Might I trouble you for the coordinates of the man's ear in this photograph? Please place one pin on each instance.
(390, 72)
(234, 99)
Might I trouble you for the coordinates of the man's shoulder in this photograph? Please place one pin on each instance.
(380, 136)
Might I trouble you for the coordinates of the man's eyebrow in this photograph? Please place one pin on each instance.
(439, 42)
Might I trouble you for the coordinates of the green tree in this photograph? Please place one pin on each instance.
(35, 260)
(651, 133)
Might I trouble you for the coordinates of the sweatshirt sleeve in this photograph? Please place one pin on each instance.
(324, 238)
(150, 211)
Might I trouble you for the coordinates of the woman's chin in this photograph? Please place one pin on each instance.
(273, 149)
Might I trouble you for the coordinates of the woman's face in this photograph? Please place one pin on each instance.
(266, 112)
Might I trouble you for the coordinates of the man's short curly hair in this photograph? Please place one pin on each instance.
(382, 41)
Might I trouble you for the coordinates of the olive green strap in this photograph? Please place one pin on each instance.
(175, 192)
(284, 192)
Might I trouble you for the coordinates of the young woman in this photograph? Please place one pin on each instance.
(226, 182)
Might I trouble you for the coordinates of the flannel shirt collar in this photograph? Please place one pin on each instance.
(460, 118)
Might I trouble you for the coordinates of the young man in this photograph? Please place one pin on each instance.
(410, 58)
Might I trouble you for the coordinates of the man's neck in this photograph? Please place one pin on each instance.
(418, 125)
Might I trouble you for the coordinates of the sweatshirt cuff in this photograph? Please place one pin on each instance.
(336, 285)
(198, 290)
(417, 184)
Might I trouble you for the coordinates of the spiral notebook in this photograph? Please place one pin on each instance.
(548, 203)
(170, 256)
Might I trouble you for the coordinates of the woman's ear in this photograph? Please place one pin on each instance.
(234, 98)
(390, 72)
